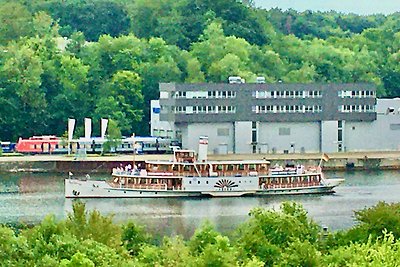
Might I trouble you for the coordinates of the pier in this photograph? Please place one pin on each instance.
(382, 160)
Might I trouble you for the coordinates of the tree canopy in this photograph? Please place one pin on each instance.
(86, 58)
(281, 237)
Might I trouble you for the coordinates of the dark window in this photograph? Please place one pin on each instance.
(254, 136)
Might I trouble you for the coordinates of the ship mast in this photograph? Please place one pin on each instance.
(134, 149)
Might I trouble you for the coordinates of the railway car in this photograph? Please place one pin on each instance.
(153, 145)
(95, 145)
(143, 145)
(7, 147)
(45, 144)
(51, 144)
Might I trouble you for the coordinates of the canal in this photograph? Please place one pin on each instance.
(29, 197)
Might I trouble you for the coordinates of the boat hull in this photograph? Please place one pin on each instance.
(101, 189)
(75, 188)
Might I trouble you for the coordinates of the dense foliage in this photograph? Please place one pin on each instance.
(89, 58)
(285, 237)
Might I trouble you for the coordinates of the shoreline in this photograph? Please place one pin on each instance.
(376, 160)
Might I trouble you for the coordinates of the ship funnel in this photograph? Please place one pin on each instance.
(203, 148)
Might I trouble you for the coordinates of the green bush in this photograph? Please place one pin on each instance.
(286, 237)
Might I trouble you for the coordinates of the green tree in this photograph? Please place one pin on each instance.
(301, 253)
(92, 225)
(78, 259)
(174, 252)
(21, 76)
(15, 20)
(381, 252)
(124, 89)
(306, 74)
(133, 238)
(268, 232)
(113, 136)
(93, 18)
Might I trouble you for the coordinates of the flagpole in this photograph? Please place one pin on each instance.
(324, 157)
(134, 150)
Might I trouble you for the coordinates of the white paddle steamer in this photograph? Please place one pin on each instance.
(188, 176)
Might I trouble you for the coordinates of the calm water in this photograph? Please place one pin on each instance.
(36, 195)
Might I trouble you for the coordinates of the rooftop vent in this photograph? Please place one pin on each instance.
(260, 79)
(236, 79)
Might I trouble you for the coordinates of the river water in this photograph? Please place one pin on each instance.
(29, 197)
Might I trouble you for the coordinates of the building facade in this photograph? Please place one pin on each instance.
(278, 118)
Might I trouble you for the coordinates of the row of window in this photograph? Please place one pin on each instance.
(204, 109)
(204, 94)
(269, 109)
(356, 108)
(287, 94)
(356, 94)
(273, 94)
(287, 109)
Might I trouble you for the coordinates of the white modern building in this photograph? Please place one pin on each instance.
(277, 118)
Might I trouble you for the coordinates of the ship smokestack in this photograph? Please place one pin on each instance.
(203, 148)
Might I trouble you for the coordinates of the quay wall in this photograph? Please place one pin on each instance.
(60, 163)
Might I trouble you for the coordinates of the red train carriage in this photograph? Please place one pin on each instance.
(39, 144)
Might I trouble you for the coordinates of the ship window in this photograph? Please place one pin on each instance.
(241, 166)
(252, 167)
(230, 167)
(263, 166)
(219, 167)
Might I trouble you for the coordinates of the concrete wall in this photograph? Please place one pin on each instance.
(218, 142)
(382, 134)
(243, 137)
(302, 137)
(329, 136)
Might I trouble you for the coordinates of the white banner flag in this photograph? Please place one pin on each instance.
(88, 128)
(71, 126)
(104, 123)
